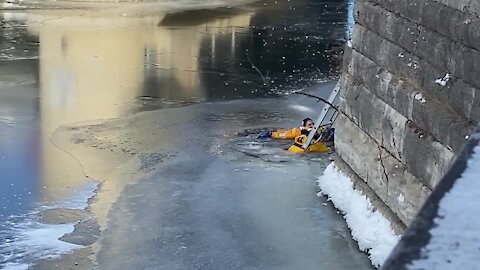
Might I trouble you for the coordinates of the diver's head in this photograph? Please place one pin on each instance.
(307, 123)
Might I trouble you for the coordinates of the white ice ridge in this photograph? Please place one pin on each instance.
(369, 228)
(455, 238)
(33, 241)
(30, 240)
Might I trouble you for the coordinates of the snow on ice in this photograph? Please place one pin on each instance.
(368, 227)
(455, 242)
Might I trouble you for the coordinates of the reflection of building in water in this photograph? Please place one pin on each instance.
(174, 51)
(89, 67)
(94, 67)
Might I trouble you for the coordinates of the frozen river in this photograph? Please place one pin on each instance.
(120, 124)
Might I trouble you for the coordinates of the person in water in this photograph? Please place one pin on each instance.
(323, 133)
(290, 134)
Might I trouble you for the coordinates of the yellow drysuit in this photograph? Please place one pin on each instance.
(290, 134)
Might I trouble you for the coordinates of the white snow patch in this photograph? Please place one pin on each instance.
(350, 44)
(419, 97)
(443, 81)
(32, 241)
(368, 227)
(26, 239)
(401, 198)
(455, 240)
(45, 238)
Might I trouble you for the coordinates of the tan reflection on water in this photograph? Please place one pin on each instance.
(93, 67)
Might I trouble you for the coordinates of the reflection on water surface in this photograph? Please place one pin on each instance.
(67, 66)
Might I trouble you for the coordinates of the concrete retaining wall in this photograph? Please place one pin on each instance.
(410, 95)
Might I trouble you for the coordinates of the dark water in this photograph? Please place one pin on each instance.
(268, 51)
(67, 66)
(291, 46)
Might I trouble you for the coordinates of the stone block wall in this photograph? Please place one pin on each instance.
(410, 94)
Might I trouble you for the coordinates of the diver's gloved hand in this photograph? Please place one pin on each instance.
(264, 134)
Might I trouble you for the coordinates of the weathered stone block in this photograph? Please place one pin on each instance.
(470, 6)
(404, 191)
(430, 46)
(347, 54)
(388, 55)
(465, 63)
(426, 158)
(379, 120)
(444, 125)
(361, 154)
(436, 118)
(385, 175)
(463, 98)
(423, 155)
(408, 68)
(436, 49)
(382, 83)
(392, 5)
(387, 24)
(359, 184)
(447, 20)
